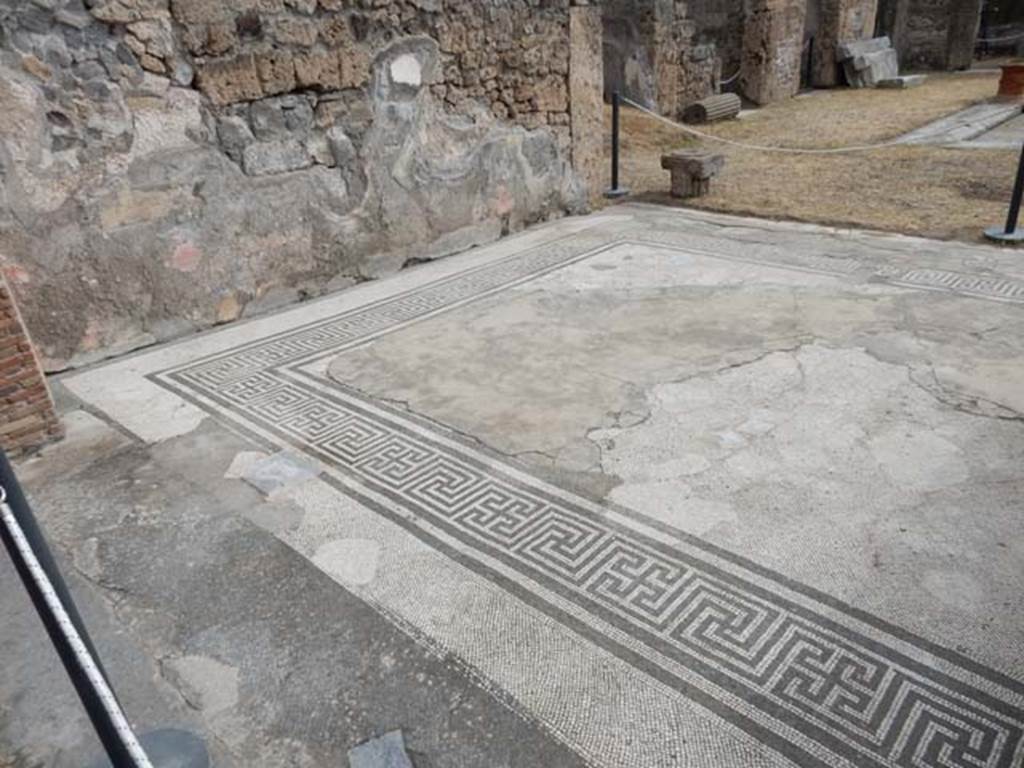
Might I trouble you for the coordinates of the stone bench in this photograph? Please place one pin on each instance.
(692, 171)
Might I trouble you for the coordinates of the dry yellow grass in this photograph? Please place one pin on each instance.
(945, 193)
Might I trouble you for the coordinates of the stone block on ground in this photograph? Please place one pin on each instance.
(387, 751)
(867, 62)
(692, 171)
(723, 106)
(853, 48)
(902, 81)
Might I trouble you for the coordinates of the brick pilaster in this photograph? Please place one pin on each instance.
(27, 416)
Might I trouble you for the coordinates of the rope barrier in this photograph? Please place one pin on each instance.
(761, 148)
(738, 72)
(1007, 39)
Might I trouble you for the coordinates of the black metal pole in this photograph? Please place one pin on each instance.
(616, 190)
(615, 140)
(105, 727)
(1010, 234)
(1015, 198)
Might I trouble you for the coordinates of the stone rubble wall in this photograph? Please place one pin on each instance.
(173, 164)
(629, 39)
(719, 23)
(699, 62)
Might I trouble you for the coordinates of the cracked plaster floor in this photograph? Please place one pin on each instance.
(834, 417)
(844, 433)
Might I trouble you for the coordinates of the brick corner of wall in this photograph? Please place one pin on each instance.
(28, 418)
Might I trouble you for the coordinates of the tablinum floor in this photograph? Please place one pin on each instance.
(684, 489)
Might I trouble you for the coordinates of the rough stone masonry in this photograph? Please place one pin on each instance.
(169, 165)
(173, 164)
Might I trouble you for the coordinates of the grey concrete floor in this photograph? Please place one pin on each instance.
(645, 488)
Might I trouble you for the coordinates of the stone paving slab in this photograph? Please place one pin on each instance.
(1007, 135)
(964, 127)
(684, 489)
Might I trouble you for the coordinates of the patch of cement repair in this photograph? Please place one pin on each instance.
(353, 562)
(815, 419)
(272, 473)
(243, 463)
(387, 751)
(206, 684)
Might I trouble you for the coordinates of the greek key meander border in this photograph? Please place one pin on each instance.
(807, 686)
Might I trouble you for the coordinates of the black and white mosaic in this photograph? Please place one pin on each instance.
(818, 681)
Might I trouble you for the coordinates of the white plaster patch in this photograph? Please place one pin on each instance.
(797, 445)
(243, 462)
(206, 683)
(350, 561)
(147, 410)
(280, 471)
(406, 70)
(168, 122)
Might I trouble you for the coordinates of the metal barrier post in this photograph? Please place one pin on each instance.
(42, 580)
(615, 190)
(38, 572)
(24, 542)
(1010, 233)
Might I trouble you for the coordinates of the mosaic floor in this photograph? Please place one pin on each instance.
(637, 633)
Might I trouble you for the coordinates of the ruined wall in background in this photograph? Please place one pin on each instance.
(628, 43)
(173, 164)
(931, 34)
(720, 23)
(653, 56)
(696, 63)
(964, 20)
(1001, 31)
